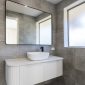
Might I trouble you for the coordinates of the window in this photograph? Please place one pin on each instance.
(44, 30)
(11, 30)
(74, 25)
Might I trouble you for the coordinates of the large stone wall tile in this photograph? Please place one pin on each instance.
(80, 77)
(80, 63)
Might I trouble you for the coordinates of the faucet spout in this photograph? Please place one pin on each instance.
(42, 49)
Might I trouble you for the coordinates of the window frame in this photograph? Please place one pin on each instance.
(66, 23)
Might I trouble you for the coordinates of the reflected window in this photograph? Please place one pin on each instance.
(44, 28)
(11, 30)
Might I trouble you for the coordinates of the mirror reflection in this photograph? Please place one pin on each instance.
(26, 25)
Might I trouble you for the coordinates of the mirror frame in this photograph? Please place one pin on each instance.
(36, 9)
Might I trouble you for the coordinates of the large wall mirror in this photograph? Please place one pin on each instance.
(26, 25)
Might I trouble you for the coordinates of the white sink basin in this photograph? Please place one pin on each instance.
(37, 55)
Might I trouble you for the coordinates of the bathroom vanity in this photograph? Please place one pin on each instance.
(22, 71)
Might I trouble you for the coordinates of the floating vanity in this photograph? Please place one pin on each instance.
(25, 72)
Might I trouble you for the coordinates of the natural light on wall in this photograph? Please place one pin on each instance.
(74, 25)
(11, 30)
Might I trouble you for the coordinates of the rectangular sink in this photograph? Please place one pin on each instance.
(37, 55)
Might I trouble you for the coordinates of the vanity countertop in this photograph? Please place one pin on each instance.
(25, 61)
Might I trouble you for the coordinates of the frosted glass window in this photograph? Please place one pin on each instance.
(11, 30)
(77, 25)
(74, 24)
(45, 32)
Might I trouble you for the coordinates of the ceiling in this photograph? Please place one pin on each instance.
(26, 10)
(11, 6)
(54, 1)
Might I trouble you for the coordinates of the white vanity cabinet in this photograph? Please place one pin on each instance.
(25, 72)
(52, 70)
(12, 75)
(31, 74)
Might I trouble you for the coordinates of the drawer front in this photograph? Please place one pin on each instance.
(53, 69)
(12, 75)
(31, 74)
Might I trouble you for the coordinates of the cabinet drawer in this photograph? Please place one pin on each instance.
(12, 75)
(52, 70)
(31, 74)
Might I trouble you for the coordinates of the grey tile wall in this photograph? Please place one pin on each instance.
(74, 58)
(13, 51)
(74, 65)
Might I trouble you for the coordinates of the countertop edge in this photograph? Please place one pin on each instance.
(24, 61)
